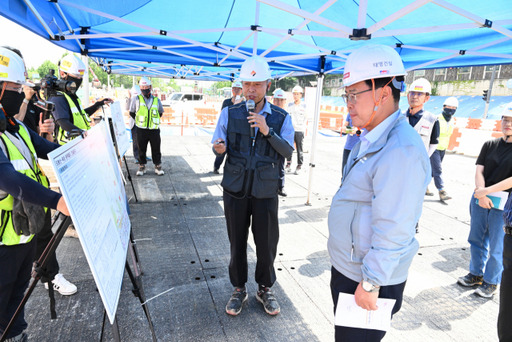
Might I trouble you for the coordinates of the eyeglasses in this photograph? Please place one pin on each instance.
(352, 97)
(416, 93)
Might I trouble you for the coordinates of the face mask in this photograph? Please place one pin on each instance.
(146, 92)
(448, 111)
(78, 81)
(12, 101)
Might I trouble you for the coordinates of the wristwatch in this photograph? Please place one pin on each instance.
(270, 133)
(369, 287)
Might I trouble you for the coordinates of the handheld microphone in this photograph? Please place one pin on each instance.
(250, 107)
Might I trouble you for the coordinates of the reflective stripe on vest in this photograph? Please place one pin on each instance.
(445, 132)
(424, 127)
(147, 118)
(7, 234)
(79, 118)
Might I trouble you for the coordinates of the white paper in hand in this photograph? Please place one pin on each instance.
(349, 314)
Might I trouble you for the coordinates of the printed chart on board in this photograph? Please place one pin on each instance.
(120, 132)
(90, 180)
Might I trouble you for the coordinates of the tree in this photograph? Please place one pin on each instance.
(100, 73)
(44, 69)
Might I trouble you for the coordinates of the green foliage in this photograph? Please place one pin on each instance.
(98, 71)
(44, 69)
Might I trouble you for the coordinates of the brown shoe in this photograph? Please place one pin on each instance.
(443, 196)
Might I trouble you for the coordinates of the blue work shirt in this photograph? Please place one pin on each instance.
(287, 131)
(373, 215)
(370, 137)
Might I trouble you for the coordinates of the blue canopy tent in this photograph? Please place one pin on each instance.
(297, 37)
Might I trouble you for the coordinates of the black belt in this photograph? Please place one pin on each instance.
(508, 230)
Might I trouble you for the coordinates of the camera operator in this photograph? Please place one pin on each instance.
(22, 182)
(69, 114)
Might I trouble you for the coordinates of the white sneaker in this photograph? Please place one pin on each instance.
(142, 170)
(64, 287)
(158, 170)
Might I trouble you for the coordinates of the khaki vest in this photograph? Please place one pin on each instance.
(424, 127)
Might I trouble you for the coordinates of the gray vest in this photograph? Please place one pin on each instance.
(251, 171)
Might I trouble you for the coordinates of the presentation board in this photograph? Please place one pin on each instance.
(120, 132)
(90, 179)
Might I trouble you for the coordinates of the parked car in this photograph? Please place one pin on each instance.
(183, 97)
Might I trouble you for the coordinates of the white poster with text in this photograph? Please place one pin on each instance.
(90, 181)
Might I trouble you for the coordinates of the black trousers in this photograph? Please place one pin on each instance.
(152, 136)
(135, 145)
(15, 268)
(265, 229)
(42, 239)
(299, 142)
(505, 313)
(340, 283)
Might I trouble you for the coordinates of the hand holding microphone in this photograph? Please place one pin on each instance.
(256, 120)
(250, 107)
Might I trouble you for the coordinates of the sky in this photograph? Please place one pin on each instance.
(35, 49)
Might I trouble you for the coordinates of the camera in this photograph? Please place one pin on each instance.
(50, 84)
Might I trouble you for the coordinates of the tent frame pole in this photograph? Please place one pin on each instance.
(319, 88)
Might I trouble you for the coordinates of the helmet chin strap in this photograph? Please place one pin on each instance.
(376, 103)
(3, 89)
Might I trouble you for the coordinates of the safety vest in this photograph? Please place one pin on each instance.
(251, 171)
(79, 118)
(7, 234)
(424, 127)
(445, 132)
(148, 118)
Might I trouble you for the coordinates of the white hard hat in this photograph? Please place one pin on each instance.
(135, 90)
(372, 61)
(508, 110)
(12, 67)
(237, 84)
(144, 81)
(297, 89)
(72, 64)
(279, 94)
(255, 69)
(421, 85)
(451, 101)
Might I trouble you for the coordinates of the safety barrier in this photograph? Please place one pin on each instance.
(467, 138)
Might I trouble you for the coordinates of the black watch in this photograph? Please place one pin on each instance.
(270, 133)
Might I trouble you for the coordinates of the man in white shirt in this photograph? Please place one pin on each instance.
(297, 111)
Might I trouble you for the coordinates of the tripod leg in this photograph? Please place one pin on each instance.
(138, 291)
(135, 256)
(62, 222)
(130, 179)
(115, 331)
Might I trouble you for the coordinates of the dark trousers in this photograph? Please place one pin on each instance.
(265, 229)
(42, 239)
(152, 136)
(299, 139)
(15, 268)
(281, 173)
(340, 283)
(135, 146)
(505, 313)
(218, 161)
(435, 162)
